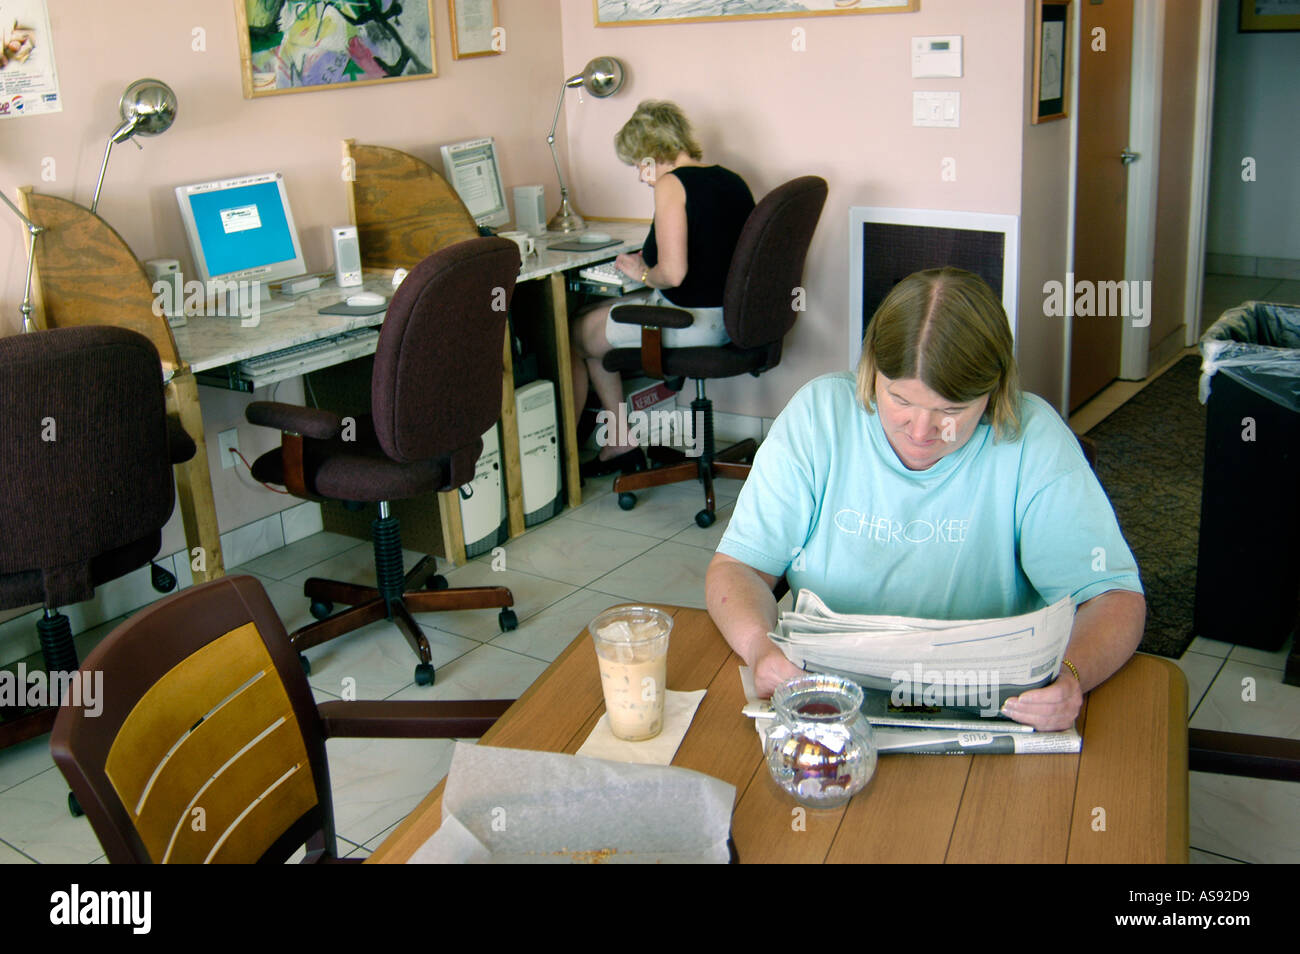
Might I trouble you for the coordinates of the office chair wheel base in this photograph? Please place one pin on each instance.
(321, 609)
(508, 620)
(704, 519)
(436, 582)
(424, 674)
(74, 806)
(305, 663)
(626, 501)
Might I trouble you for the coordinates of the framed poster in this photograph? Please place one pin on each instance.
(642, 12)
(1269, 16)
(1051, 54)
(475, 28)
(289, 46)
(29, 84)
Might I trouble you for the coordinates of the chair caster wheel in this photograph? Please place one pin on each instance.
(321, 608)
(508, 620)
(74, 806)
(436, 582)
(424, 674)
(704, 519)
(626, 501)
(305, 663)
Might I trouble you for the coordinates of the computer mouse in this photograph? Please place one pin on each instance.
(596, 237)
(361, 299)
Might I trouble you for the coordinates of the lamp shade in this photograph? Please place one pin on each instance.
(148, 107)
(603, 76)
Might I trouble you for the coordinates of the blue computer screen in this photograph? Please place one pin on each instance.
(242, 228)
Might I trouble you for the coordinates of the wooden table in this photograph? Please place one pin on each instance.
(1122, 799)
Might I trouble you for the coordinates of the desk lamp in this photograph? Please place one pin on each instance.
(602, 77)
(33, 230)
(148, 108)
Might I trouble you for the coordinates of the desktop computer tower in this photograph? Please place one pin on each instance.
(539, 450)
(483, 500)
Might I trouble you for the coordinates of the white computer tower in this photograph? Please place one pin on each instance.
(539, 450)
(483, 500)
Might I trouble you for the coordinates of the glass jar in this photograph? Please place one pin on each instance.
(821, 750)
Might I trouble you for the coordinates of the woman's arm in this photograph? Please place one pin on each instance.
(740, 601)
(1106, 632)
(670, 235)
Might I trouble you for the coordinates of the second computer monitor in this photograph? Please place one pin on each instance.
(473, 171)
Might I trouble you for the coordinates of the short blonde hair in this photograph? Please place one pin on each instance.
(945, 327)
(658, 130)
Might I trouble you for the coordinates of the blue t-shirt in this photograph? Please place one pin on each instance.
(993, 529)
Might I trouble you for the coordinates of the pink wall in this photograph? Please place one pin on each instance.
(101, 47)
(841, 110)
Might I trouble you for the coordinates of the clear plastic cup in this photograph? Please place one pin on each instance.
(632, 647)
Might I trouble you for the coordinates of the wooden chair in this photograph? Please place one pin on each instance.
(209, 746)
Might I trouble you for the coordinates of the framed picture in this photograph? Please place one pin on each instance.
(1051, 59)
(1269, 16)
(642, 12)
(475, 28)
(289, 46)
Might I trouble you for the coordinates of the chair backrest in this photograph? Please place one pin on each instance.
(207, 745)
(768, 262)
(438, 367)
(86, 469)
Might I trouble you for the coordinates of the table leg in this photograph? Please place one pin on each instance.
(194, 481)
(511, 472)
(559, 308)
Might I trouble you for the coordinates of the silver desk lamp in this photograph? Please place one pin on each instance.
(602, 77)
(148, 107)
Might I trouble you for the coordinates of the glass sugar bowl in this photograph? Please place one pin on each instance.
(821, 748)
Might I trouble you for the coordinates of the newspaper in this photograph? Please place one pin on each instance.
(964, 665)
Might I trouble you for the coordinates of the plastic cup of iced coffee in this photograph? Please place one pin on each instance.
(632, 647)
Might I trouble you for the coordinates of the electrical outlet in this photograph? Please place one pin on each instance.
(229, 440)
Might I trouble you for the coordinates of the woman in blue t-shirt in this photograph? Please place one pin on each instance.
(699, 213)
(930, 486)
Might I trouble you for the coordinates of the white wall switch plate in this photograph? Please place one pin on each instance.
(228, 440)
(934, 108)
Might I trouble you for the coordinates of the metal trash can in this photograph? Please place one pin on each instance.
(1248, 564)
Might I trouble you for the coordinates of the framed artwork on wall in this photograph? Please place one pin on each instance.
(475, 28)
(642, 12)
(1051, 60)
(1269, 16)
(290, 46)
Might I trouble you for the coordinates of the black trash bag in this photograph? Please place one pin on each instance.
(1258, 344)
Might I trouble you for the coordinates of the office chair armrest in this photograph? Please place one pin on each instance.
(308, 421)
(651, 315)
(364, 719)
(180, 446)
(1234, 753)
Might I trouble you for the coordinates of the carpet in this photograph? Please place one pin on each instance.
(1150, 456)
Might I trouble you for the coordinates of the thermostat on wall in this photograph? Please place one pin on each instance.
(936, 56)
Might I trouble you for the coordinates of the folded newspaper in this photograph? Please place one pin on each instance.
(940, 674)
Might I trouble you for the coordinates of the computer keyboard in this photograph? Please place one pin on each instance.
(311, 356)
(606, 272)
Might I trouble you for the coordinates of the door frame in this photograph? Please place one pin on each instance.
(1142, 194)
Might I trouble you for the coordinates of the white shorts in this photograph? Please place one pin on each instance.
(709, 330)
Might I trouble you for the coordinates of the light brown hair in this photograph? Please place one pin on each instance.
(658, 130)
(946, 328)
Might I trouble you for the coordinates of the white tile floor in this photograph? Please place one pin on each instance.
(562, 574)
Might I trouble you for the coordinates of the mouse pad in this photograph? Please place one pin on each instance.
(343, 308)
(572, 245)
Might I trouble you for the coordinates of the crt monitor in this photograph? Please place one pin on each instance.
(473, 171)
(241, 230)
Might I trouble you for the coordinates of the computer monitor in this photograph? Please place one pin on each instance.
(241, 233)
(473, 171)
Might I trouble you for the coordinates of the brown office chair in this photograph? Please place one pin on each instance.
(209, 747)
(86, 485)
(766, 268)
(436, 388)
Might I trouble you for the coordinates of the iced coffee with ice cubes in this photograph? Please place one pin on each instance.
(632, 647)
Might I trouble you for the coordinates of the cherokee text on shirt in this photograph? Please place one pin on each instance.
(885, 530)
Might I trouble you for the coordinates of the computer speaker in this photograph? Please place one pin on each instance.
(530, 209)
(347, 256)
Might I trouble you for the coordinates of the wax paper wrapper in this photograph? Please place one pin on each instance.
(513, 806)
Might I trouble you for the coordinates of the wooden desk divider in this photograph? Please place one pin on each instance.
(86, 274)
(404, 211)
